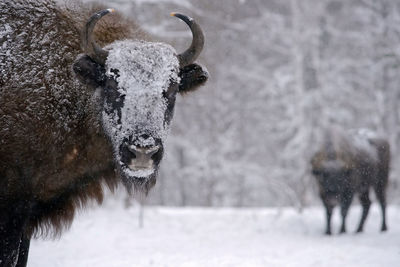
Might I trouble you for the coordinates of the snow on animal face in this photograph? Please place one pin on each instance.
(139, 97)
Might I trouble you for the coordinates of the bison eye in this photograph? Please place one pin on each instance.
(172, 90)
(169, 93)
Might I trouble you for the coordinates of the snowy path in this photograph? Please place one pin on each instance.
(109, 236)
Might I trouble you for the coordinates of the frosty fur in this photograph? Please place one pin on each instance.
(54, 152)
(350, 163)
(145, 72)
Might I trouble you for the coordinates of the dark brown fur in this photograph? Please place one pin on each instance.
(54, 153)
(51, 137)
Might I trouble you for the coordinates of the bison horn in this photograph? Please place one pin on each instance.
(89, 46)
(191, 54)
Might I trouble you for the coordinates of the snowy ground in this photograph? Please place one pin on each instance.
(110, 236)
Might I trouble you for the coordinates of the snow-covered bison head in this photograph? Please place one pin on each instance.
(138, 82)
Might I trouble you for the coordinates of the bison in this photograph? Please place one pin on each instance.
(71, 123)
(349, 163)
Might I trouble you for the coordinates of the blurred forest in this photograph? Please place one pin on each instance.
(280, 72)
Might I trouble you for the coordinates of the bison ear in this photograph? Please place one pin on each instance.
(192, 76)
(89, 72)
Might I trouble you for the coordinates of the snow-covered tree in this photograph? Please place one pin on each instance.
(281, 71)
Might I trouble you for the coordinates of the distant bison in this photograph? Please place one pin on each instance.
(346, 164)
(70, 123)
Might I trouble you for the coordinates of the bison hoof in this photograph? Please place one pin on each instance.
(384, 228)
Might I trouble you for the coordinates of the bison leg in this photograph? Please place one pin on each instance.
(23, 251)
(329, 209)
(344, 206)
(328, 221)
(380, 194)
(13, 220)
(366, 203)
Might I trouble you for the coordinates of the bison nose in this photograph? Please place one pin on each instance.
(143, 152)
(143, 157)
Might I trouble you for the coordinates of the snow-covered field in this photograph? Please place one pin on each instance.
(110, 236)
